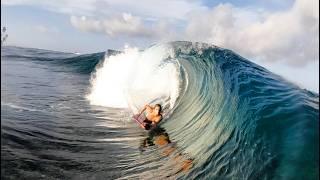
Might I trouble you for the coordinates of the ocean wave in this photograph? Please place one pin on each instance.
(227, 112)
(232, 117)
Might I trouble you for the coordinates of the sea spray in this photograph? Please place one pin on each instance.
(133, 78)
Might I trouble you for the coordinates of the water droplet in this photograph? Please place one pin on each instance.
(269, 154)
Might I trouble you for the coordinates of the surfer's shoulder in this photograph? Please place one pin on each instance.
(158, 118)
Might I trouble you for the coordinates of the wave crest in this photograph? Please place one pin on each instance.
(134, 78)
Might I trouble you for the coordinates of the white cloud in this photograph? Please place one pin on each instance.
(146, 18)
(172, 9)
(124, 25)
(286, 42)
(41, 28)
(45, 29)
(150, 9)
(290, 36)
(83, 7)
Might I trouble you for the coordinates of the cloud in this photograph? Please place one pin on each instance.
(144, 18)
(121, 25)
(45, 29)
(150, 9)
(84, 7)
(291, 36)
(286, 42)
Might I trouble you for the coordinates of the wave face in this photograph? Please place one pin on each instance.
(236, 115)
(232, 118)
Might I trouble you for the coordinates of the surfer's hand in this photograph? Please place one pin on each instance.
(143, 126)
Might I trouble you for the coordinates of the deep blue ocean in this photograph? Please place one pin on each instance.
(68, 116)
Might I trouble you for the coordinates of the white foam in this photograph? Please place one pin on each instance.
(134, 78)
(18, 107)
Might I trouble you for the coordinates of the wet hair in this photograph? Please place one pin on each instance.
(160, 108)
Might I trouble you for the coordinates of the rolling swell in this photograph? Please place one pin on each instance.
(83, 64)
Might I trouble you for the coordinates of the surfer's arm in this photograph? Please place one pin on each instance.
(144, 108)
(142, 126)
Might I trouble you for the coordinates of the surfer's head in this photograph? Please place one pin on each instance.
(157, 108)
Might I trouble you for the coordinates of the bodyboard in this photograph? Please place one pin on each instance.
(139, 119)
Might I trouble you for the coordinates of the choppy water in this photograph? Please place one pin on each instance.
(67, 116)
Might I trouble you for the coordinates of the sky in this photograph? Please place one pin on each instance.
(281, 35)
